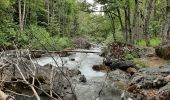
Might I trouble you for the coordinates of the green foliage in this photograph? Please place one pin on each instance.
(141, 43)
(64, 42)
(53, 29)
(129, 57)
(109, 39)
(7, 34)
(154, 42)
(4, 4)
(41, 39)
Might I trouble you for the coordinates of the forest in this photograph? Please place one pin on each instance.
(67, 49)
(139, 22)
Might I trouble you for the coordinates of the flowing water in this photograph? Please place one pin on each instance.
(83, 62)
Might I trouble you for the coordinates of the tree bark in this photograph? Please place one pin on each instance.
(166, 27)
(135, 20)
(120, 19)
(48, 11)
(147, 19)
(112, 19)
(21, 14)
(128, 22)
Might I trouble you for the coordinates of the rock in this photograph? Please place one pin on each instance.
(146, 52)
(101, 67)
(72, 59)
(163, 51)
(164, 92)
(131, 70)
(167, 78)
(116, 52)
(123, 65)
(14, 81)
(150, 84)
(74, 72)
(69, 97)
(119, 75)
(82, 79)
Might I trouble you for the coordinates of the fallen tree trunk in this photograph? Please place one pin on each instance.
(78, 51)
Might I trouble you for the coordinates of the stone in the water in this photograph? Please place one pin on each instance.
(72, 59)
(82, 79)
(101, 67)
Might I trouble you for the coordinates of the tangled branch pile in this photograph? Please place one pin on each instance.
(23, 79)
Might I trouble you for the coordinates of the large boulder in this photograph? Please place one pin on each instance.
(150, 84)
(163, 51)
(119, 55)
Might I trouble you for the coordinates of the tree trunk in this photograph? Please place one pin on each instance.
(120, 19)
(128, 22)
(135, 20)
(48, 11)
(166, 27)
(112, 19)
(21, 14)
(147, 19)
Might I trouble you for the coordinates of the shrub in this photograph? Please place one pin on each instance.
(64, 42)
(141, 43)
(41, 39)
(109, 39)
(154, 42)
(129, 57)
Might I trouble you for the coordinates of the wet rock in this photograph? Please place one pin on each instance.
(101, 67)
(163, 51)
(123, 65)
(82, 79)
(74, 72)
(72, 59)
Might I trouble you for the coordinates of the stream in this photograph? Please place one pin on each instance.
(84, 62)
